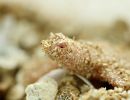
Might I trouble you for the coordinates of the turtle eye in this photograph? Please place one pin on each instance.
(62, 45)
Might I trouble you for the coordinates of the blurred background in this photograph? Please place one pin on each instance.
(24, 23)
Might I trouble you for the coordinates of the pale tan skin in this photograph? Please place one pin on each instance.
(87, 59)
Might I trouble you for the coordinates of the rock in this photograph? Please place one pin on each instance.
(16, 92)
(43, 90)
(34, 69)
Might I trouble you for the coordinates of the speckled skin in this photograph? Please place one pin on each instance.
(67, 92)
(87, 59)
(103, 94)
